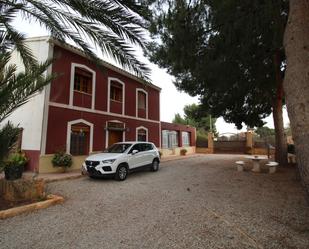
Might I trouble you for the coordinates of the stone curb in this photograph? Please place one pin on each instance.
(62, 178)
(179, 158)
(51, 200)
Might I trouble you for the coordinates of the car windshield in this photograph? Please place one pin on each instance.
(117, 148)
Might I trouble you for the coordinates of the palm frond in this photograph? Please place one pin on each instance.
(17, 88)
(111, 25)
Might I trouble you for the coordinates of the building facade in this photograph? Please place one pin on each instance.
(174, 137)
(88, 107)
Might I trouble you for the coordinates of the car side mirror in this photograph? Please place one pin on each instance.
(134, 152)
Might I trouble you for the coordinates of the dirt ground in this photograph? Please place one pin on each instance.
(200, 202)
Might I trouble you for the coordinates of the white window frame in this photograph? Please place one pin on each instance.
(73, 66)
(165, 137)
(107, 131)
(174, 135)
(187, 137)
(110, 79)
(136, 105)
(139, 128)
(69, 129)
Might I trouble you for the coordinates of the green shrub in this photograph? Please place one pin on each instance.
(14, 166)
(61, 159)
(8, 136)
(17, 159)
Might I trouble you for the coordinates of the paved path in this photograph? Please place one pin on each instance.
(200, 202)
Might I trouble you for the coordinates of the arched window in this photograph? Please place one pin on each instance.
(116, 91)
(116, 96)
(82, 81)
(141, 134)
(79, 137)
(141, 100)
(185, 138)
(82, 86)
(141, 103)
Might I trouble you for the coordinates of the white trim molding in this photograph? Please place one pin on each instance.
(141, 128)
(69, 127)
(73, 66)
(160, 136)
(107, 131)
(110, 79)
(78, 108)
(46, 101)
(136, 102)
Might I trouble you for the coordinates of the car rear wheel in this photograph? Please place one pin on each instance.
(155, 165)
(121, 173)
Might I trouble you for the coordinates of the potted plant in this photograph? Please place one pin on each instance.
(183, 152)
(14, 166)
(62, 160)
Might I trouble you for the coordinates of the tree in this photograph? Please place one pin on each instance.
(296, 43)
(179, 120)
(265, 132)
(200, 119)
(229, 53)
(110, 25)
(196, 117)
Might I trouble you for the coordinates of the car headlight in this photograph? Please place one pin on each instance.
(109, 161)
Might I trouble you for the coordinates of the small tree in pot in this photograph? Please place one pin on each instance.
(183, 152)
(63, 160)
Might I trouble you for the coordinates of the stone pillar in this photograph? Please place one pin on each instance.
(249, 142)
(211, 142)
(179, 138)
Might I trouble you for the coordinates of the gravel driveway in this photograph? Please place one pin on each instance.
(200, 202)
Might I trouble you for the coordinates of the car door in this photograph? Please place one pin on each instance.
(135, 160)
(148, 153)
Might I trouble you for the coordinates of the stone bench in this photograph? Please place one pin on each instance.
(240, 165)
(272, 167)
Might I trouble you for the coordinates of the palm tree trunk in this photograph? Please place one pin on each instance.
(296, 83)
(281, 142)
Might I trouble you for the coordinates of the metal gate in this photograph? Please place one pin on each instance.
(230, 143)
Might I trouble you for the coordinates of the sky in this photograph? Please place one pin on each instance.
(172, 101)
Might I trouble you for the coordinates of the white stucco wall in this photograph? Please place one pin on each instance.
(30, 115)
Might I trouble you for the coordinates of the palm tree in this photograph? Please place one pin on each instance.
(17, 88)
(112, 25)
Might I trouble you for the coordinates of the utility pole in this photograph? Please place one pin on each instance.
(210, 123)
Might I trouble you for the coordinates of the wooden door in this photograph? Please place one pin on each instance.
(114, 137)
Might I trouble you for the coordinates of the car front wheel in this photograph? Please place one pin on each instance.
(121, 173)
(155, 165)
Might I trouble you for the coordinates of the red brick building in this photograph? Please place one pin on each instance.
(177, 136)
(87, 108)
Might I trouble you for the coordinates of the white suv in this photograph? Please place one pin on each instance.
(121, 158)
